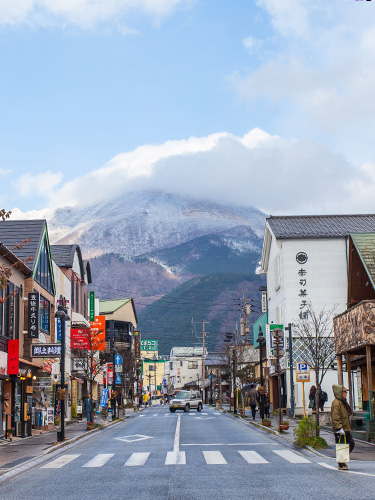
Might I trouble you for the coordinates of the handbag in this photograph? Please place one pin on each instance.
(342, 452)
(312, 403)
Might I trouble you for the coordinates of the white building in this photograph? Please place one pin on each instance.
(306, 259)
(185, 366)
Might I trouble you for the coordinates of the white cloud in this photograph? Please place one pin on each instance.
(251, 43)
(41, 184)
(317, 74)
(82, 13)
(274, 174)
(4, 172)
(289, 17)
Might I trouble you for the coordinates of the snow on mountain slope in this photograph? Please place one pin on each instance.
(146, 221)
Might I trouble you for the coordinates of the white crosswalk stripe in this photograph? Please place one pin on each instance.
(175, 458)
(137, 459)
(291, 457)
(60, 462)
(252, 457)
(214, 458)
(99, 460)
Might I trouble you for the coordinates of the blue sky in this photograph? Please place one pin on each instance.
(117, 88)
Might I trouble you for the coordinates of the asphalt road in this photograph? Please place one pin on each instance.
(159, 455)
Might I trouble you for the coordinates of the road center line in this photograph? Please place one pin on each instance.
(176, 444)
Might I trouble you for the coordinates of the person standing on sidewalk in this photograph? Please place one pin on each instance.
(88, 408)
(253, 395)
(340, 412)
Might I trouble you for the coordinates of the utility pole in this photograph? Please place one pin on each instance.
(235, 371)
(292, 408)
(203, 365)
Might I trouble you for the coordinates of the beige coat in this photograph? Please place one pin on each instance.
(339, 413)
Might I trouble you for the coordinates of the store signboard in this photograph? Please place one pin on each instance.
(43, 384)
(46, 351)
(97, 328)
(13, 356)
(149, 345)
(33, 315)
(80, 338)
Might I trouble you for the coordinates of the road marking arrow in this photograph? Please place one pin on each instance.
(133, 438)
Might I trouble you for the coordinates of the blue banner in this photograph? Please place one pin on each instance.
(58, 324)
(104, 397)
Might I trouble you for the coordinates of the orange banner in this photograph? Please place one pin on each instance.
(98, 333)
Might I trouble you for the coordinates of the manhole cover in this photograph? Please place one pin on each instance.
(16, 462)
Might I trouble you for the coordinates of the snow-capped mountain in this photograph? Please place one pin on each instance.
(143, 222)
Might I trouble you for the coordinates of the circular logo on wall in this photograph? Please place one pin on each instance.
(301, 258)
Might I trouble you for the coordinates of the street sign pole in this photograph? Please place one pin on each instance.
(303, 397)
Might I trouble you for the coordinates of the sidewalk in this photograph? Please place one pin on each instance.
(21, 450)
(362, 451)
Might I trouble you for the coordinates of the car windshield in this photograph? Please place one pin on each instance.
(183, 395)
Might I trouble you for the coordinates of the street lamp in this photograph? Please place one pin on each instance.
(261, 341)
(62, 314)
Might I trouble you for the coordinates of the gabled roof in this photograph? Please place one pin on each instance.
(365, 246)
(12, 232)
(320, 226)
(64, 255)
(110, 306)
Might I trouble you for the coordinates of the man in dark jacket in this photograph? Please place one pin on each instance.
(340, 412)
(88, 408)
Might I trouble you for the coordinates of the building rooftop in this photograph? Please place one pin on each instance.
(13, 232)
(187, 351)
(110, 306)
(320, 226)
(365, 245)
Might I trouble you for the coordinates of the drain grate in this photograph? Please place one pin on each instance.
(16, 462)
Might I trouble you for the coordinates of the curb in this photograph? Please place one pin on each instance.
(34, 462)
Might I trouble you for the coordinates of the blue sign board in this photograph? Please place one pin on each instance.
(104, 397)
(118, 359)
(58, 324)
(118, 379)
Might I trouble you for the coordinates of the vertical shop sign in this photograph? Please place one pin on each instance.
(92, 306)
(33, 315)
(13, 356)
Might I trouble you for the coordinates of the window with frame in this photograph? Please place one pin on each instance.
(193, 365)
(44, 314)
(72, 292)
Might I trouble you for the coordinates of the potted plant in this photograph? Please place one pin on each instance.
(284, 426)
(266, 422)
(10, 433)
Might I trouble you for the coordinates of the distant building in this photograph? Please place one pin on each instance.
(185, 366)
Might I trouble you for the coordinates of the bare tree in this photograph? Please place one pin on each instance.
(315, 332)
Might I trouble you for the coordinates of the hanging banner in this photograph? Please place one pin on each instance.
(58, 328)
(80, 338)
(33, 315)
(92, 306)
(97, 328)
(13, 356)
(104, 398)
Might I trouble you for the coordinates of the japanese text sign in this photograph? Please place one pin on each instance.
(33, 315)
(80, 338)
(149, 345)
(97, 328)
(46, 351)
(13, 357)
(302, 372)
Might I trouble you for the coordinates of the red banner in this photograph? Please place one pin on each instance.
(80, 338)
(13, 356)
(98, 333)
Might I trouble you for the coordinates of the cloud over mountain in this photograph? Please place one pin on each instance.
(274, 174)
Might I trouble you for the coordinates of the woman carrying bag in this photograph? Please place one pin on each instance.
(340, 412)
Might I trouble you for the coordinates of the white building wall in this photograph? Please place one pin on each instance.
(325, 287)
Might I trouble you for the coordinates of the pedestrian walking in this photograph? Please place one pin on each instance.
(340, 412)
(323, 397)
(253, 395)
(312, 396)
(267, 405)
(88, 408)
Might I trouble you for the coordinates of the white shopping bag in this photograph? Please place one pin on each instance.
(342, 453)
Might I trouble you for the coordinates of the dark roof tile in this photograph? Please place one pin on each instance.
(320, 226)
